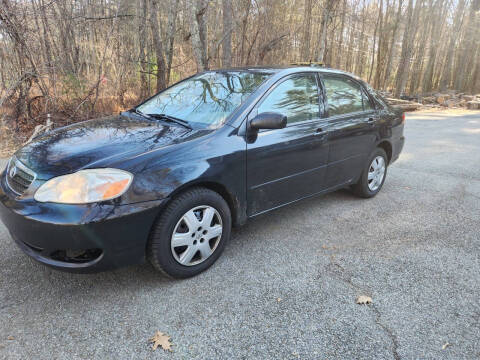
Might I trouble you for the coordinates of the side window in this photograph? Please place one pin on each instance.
(344, 96)
(367, 105)
(296, 97)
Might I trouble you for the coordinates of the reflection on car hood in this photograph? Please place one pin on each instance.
(98, 143)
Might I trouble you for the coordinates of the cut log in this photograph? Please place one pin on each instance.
(442, 98)
(411, 106)
(468, 97)
(473, 105)
(393, 101)
(429, 100)
(450, 103)
(405, 105)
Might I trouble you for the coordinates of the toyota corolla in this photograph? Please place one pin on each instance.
(167, 180)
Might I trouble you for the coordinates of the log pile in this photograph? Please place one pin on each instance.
(448, 99)
(405, 105)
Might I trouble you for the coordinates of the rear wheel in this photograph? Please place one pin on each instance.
(373, 175)
(190, 234)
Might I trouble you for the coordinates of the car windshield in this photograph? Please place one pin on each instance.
(207, 99)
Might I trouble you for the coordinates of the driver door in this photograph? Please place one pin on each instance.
(285, 165)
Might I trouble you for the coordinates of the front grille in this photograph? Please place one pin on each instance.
(76, 256)
(19, 177)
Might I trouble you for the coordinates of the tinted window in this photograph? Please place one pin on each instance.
(296, 97)
(344, 96)
(205, 100)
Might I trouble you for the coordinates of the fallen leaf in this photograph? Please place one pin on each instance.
(362, 299)
(446, 345)
(324, 246)
(10, 338)
(279, 299)
(162, 340)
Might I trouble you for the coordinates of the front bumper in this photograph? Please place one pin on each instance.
(79, 238)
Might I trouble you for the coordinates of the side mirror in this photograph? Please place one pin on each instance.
(268, 120)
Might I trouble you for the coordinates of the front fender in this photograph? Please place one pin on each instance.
(217, 162)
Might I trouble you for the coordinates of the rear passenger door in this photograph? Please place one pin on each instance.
(351, 128)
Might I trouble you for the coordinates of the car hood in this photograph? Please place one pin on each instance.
(99, 143)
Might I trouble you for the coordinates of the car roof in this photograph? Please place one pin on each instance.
(286, 69)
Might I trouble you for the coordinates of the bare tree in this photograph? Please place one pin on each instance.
(199, 33)
(307, 29)
(407, 49)
(170, 38)
(227, 29)
(142, 41)
(322, 39)
(78, 58)
(391, 50)
(447, 73)
(158, 45)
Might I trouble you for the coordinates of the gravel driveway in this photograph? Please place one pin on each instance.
(285, 288)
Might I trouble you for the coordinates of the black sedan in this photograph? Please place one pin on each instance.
(168, 179)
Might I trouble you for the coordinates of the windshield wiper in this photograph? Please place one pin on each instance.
(136, 111)
(166, 117)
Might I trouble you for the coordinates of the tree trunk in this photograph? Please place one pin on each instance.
(142, 39)
(323, 32)
(248, 4)
(391, 51)
(380, 57)
(340, 51)
(467, 46)
(407, 48)
(446, 77)
(157, 43)
(171, 28)
(307, 30)
(198, 33)
(419, 51)
(434, 45)
(351, 43)
(361, 53)
(227, 30)
(377, 24)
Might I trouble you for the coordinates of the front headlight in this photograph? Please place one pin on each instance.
(85, 186)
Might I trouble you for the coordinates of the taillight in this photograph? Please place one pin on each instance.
(403, 118)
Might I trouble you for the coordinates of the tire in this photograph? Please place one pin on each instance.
(186, 214)
(364, 187)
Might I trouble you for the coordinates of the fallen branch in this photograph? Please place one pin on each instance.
(41, 129)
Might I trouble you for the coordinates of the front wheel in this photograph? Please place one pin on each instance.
(190, 234)
(373, 175)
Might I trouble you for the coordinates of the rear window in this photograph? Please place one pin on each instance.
(344, 96)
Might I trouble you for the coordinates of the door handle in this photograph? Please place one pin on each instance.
(371, 120)
(319, 131)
